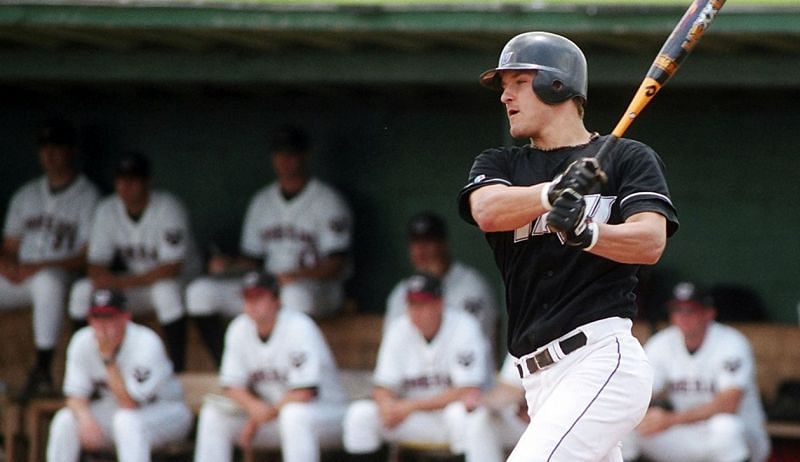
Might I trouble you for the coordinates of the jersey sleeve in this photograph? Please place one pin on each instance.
(658, 354)
(469, 356)
(150, 368)
(174, 229)
(250, 243)
(336, 227)
(101, 244)
(305, 358)
(233, 370)
(736, 369)
(390, 353)
(490, 167)
(14, 225)
(90, 200)
(643, 186)
(77, 380)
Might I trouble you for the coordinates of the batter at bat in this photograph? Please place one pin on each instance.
(569, 294)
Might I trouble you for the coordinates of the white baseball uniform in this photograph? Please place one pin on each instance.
(463, 288)
(724, 361)
(160, 236)
(489, 433)
(414, 368)
(288, 235)
(294, 356)
(162, 416)
(50, 226)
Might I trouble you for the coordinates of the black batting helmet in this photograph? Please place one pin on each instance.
(559, 64)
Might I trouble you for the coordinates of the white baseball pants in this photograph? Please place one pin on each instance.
(47, 292)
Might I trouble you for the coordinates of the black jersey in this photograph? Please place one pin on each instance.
(552, 288)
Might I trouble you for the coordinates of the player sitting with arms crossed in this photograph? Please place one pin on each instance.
(429, 361)
(299, 227)
(281, 383)
(120, 387)
(148, 231)
(707, 405)
(570, 293)
(44, 245)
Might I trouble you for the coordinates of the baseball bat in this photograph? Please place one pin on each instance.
(679, 44)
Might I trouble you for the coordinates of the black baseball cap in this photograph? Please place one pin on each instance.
(289, 139)
(57, 131)
(689, 295)
(257, 283)
(426, 225)
(133, 164)
(107, 303)
(423, 287)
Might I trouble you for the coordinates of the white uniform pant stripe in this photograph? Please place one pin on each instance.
(590, 403)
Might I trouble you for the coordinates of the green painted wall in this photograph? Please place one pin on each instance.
(730, 154)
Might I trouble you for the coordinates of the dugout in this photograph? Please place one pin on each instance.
(390, 93)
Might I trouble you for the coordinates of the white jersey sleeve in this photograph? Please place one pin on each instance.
(79, 367)
(174, 226)
(251, 240)
(387, 373)
(101, 241)
(335, 222)
(508, 372)
(469, 352)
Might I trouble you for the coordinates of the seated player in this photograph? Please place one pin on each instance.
(121, 390)
(281, 383)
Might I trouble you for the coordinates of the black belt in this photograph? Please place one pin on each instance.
(543, 359)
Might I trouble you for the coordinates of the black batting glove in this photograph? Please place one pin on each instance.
(581, 176)
(568, 218)
(568, 212)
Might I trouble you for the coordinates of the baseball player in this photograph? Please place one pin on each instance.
(464, 288)
(429, 361)
(569, 293)
(148, 231)
(280, 379)
(499, 417)
(298, 228)
(44, 244)
(708, 406)
(120, 387)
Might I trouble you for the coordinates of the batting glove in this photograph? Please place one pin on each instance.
(568, 218)
(582, 176)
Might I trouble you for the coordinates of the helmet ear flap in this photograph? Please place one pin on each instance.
(550, 89)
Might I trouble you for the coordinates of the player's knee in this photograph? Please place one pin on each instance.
(64, 424)
(79, 299)
(726, 427)
(361, 427)
(167, 300)
(199, 297)
(127, 422)
(50, 280)
(295, 419)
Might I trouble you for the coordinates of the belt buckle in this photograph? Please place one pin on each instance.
(547, 359)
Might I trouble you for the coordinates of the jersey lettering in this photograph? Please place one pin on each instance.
(691, 386)
(426, 381)
(64, 233)
(138, 252)
(598, 210)
(267, 375)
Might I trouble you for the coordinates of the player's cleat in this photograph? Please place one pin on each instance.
(38, 385)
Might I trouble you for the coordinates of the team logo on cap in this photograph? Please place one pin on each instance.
(505, 58)
(102, 297)
(416, 283)
(684, 291)
(251, 279)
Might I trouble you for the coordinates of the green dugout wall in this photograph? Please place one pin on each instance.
(396, 115)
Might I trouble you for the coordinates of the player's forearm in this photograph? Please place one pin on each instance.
(441, 400)
(506, 208)
(252, 404)
(640, 240)
(327, 268)
(80, 408)
(117, 386)
(725, 402)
